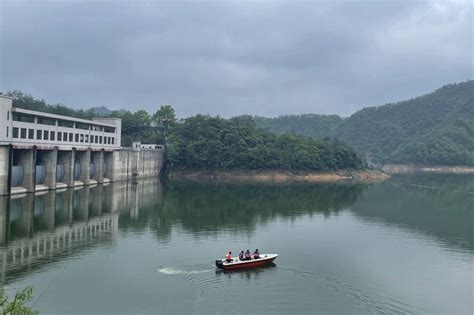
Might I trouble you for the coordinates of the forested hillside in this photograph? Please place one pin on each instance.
(311, 125)
(434, 129)
(213, 143)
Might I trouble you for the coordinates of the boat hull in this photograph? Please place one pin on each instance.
(253, 263)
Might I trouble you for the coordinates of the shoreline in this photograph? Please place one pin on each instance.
(406, 169)
(280, 176)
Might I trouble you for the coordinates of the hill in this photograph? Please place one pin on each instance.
(310, 125)
(213, 143)
(434, 129)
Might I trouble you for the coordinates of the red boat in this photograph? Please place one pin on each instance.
(264, 259)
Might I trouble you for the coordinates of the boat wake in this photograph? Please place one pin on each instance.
(183, 271)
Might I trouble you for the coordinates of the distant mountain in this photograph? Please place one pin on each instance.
(434, 129)
(100, 111)
(311, 125)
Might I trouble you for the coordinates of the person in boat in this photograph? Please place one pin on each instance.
(256, 254)
(247, 255)
(228, 257)
(241, 255)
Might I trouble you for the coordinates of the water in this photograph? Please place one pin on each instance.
(401, 246)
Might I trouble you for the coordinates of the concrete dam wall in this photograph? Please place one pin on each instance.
(34, 169)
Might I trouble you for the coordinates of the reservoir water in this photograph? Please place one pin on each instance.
(401, 246)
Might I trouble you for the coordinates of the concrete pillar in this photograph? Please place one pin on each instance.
(4, 205)
(5, 169)
(27, 159)
(98, 159)
(108, 159)
(85, 161)
(50, 161)
(119, 169)
(135, 165)
(66, 158)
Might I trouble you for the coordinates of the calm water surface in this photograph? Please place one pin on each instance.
(401, 246)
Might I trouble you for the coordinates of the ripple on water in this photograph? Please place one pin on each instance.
(371, 302)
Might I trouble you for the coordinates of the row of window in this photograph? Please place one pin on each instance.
(62, 123)
(24, 133)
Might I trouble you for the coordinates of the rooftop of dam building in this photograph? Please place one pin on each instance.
(26, 128)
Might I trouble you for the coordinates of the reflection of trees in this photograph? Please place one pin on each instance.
(445, 212)
(207, 208)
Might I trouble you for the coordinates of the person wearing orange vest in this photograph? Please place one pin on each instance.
(228, 257)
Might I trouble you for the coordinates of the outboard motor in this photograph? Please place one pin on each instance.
(219, 264)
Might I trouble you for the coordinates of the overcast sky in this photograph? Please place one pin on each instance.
(228, 58)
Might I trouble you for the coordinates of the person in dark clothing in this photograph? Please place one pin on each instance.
(256, 254)
(247, 255)
(241, 255)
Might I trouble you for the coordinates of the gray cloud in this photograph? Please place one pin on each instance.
(229, 58)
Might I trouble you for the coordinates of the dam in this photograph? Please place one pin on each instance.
(41, 151)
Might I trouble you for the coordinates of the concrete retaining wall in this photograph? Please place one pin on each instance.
(132, 164)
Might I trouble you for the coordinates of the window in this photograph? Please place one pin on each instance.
(96, 139)
(82, 126)
(65, 123)
(113, 140)
(23, 117)
(52, 135)
(8, 115)
(109, 129)
(77, 137)
(46, 135)
(39, 134)
(31, 133)
(70, 137)
(23, 133)
(60, 136)
(100, 139)
(108, 140)
(15, 132)
(82, 138)
(87, 139)
(46, 121)
(7, 132)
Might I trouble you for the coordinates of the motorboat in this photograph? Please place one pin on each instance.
(236, 263)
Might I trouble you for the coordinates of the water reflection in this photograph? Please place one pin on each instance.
(204, 209)
(440, 206)
(36, 230)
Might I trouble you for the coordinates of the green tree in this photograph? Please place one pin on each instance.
(165, 116)
(17, 305)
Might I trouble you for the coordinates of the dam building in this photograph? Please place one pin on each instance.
(41, 151)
